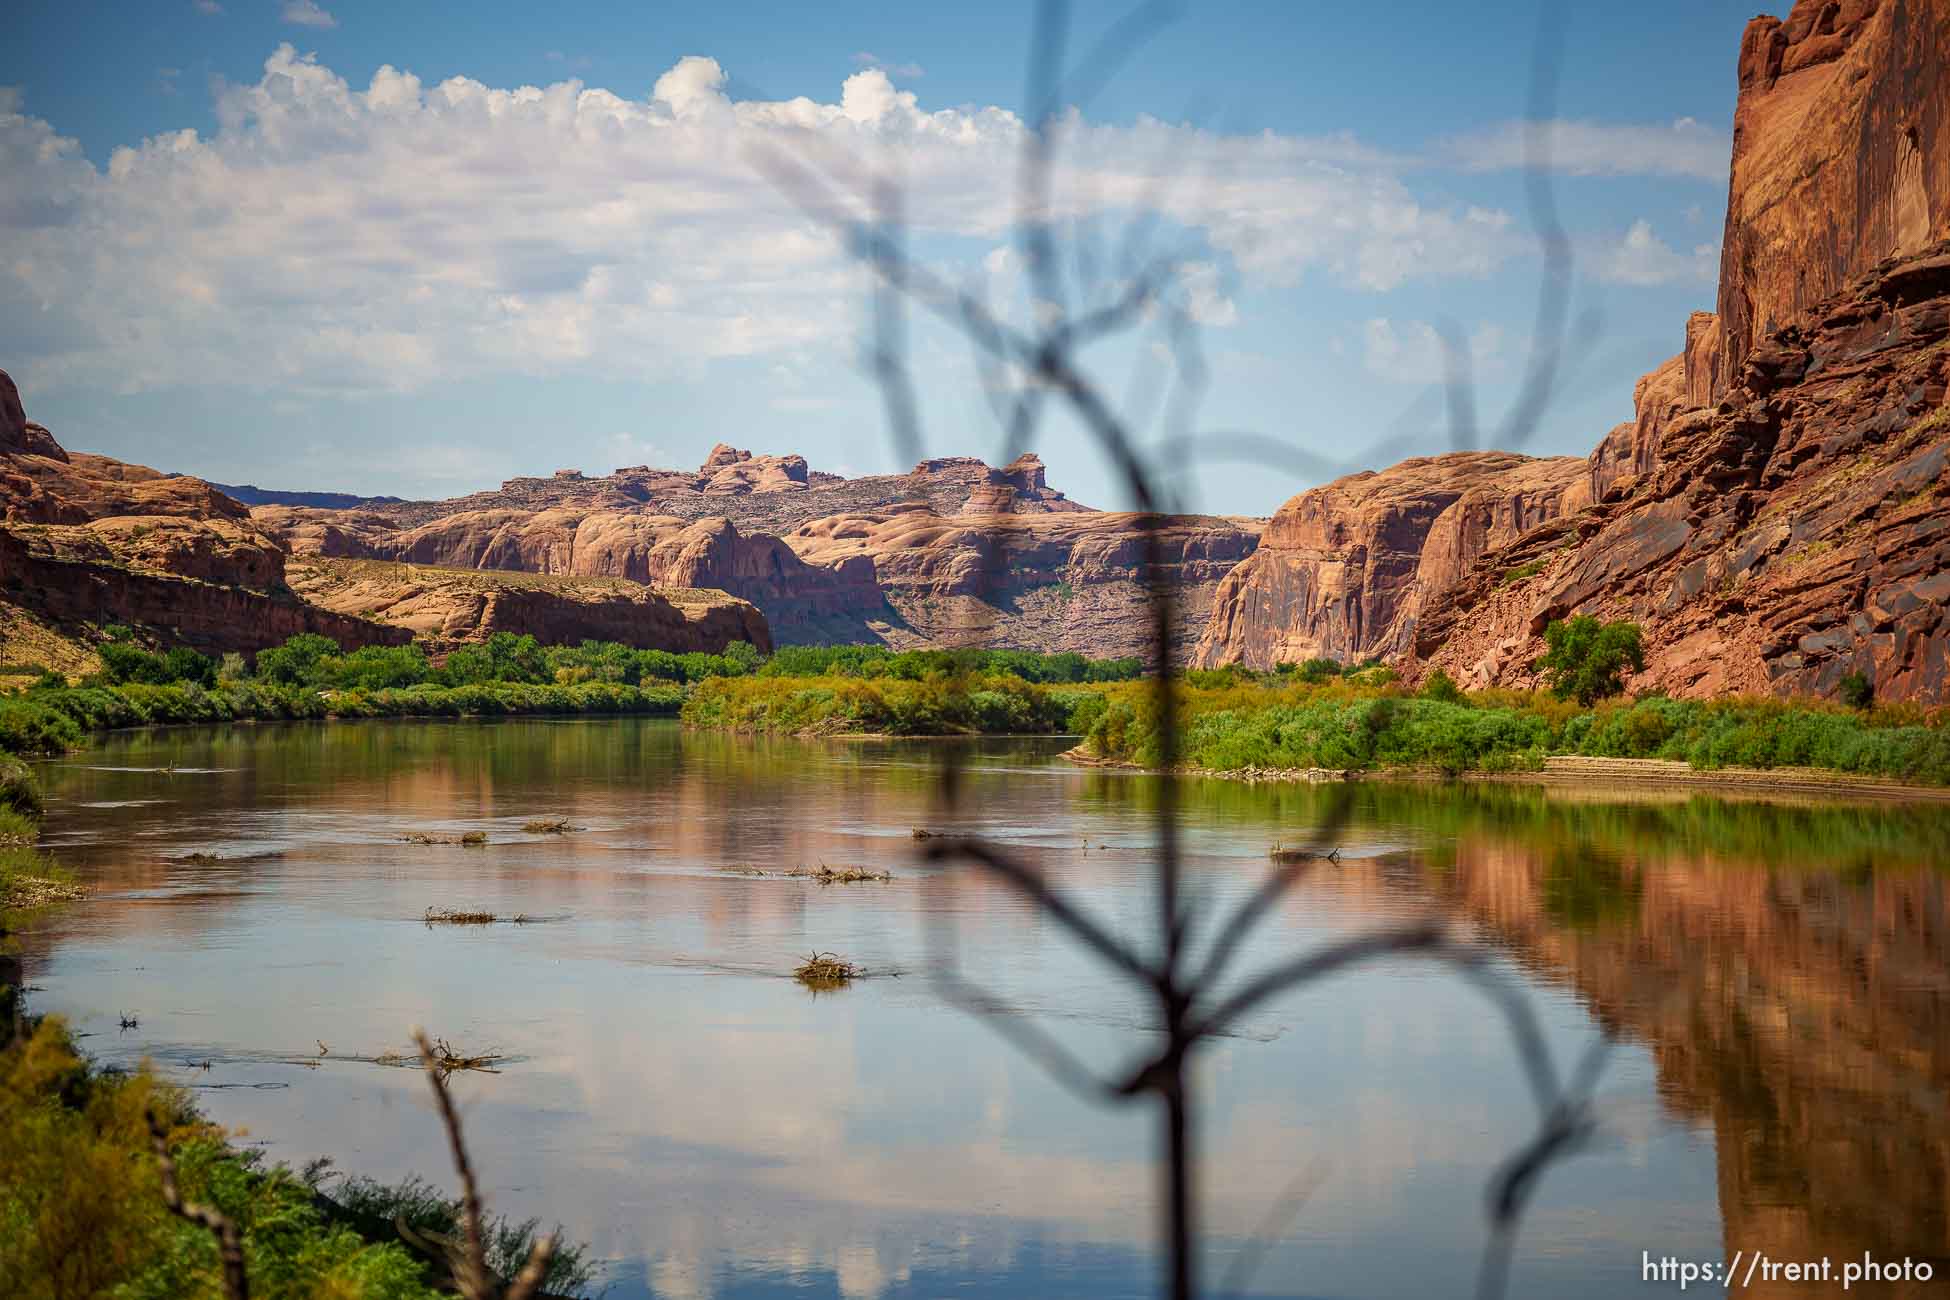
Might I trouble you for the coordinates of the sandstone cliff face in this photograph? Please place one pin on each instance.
(1841, 158)
(1792, 534)
(1342, 570)
(800, 601)
(952, 553)
(53, 574)
(1043, 581)
(448, 607)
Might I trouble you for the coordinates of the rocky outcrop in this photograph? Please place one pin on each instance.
(19, 436)
(1342, 570)
(69, 578)
(1793, 533)
(448, 607)
(1042, 581)
(1774, 517)
(909, 559)
(1841, 158)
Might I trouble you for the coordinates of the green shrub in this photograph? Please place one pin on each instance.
(1857, 691)
(293, 663)
(1441, 686)
(1315, 671)
(1586, 660)
(19, 792)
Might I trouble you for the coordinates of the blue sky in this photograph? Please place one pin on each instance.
(337, 245)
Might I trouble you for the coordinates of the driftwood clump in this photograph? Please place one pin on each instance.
(1285, 855)
(472, 839)
(451, 916)
(826, 970)
(826, 875)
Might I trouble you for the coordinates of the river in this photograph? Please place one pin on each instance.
(1776, 974)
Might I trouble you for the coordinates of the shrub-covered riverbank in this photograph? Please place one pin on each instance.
(1270, 724)
(82, 1209)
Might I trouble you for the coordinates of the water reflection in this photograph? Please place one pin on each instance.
(1777, 971)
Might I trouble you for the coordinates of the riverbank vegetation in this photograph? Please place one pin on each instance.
(1261, 722)
(1316, 714)
(83, 1213)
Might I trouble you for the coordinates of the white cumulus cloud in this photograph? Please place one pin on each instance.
(306, 13)
(1640, 257)
(328, 237)
(1683, 147)
(1412, 352)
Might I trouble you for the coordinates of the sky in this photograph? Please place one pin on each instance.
(417, 249)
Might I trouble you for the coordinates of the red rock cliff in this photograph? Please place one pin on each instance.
(1342, 569)
(1841, 158)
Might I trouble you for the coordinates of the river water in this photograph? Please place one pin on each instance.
(1775, 974)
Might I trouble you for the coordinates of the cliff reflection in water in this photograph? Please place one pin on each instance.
(1776, 971)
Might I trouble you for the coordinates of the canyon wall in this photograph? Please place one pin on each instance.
(1774, 517)
(88, 542)
(447, 607)
(1342, 570)
(1795, 533)
(39, 575)
(1841, 158)
(952, 553)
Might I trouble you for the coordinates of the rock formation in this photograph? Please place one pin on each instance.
(1342, 570)
(1794, 533)
(1774, 517)
(1047, 581)
(1841, 158)
(952, 553)
(88, 542)
(46, 579)
(447, 607)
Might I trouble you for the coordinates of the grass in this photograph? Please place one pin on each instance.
(1528, 569)
(825, 970)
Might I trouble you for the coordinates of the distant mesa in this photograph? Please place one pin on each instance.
(252, 495)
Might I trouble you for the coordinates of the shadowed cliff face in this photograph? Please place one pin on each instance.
(1343, 569)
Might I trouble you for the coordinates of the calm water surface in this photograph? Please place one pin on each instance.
(1776, 973)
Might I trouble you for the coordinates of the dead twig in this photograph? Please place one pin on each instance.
(230, 1241)
(468, 1260)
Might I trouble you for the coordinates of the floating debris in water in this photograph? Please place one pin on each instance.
(461, 916)
(825, 970)
(826, 875)
(472, 839)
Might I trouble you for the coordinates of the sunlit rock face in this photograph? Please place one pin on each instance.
(1841, 159)
(1343, 569)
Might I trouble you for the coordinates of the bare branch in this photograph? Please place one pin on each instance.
(472, 1275)
(1326, 961)
(1032, 885)
(230, 1242)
